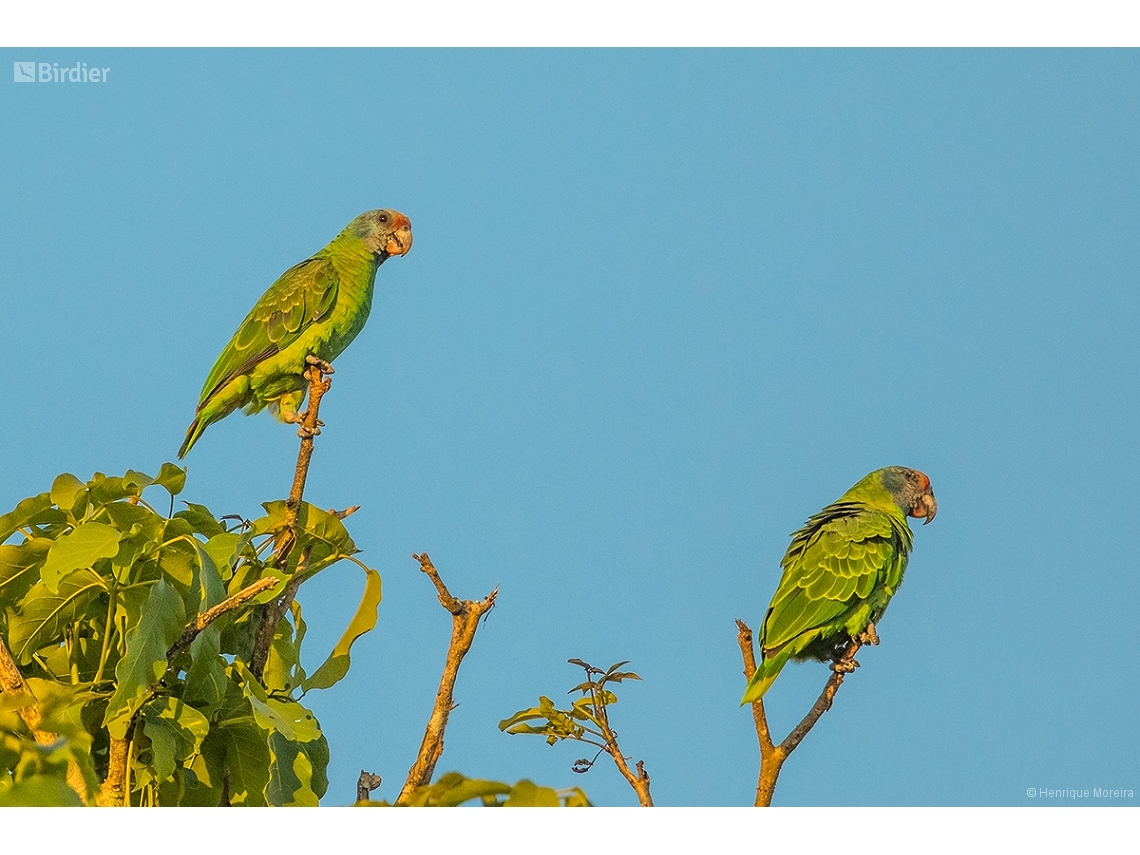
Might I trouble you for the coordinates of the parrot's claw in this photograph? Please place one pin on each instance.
(844, 666)
(869, 636)
(320, 363)
(305, 433)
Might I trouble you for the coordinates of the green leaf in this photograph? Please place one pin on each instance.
(288, 718)
(201, 520)
(64, 489)
(526, 794)
(247, 759)
(161, 622)
(319, 533)
(27, 512)
(454, 789)
(44, 613)
(290, 774)
(336, 666)
(206, 678)
(39, 791)
(574, 797)
(172, 477)
(223, 549)
(176, 731)
(78, 549)
(140, 480)
(20, 568)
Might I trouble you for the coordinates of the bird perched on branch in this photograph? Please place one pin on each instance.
(314, 309)
(840, 572)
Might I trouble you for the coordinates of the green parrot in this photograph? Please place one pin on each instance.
(314, 309)
(840, 572)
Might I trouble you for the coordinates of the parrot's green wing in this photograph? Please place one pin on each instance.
(839, 572)
(302, 296)
(828, 573)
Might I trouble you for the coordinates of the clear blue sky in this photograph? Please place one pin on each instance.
(662, 306)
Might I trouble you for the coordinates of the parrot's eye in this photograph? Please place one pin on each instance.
(383, 218)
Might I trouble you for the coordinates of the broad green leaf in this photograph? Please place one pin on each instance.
(317, 751)
(246, 758)
(64, 489)
(202, 777)
(172, 477)
(201, 520)
(288, 718)
(454, 789)
(162, 746)
(27, 512)
(574, 797)
(134, 519)
(176, 731)
(223, 549)
(179, 557)
(20, 568)
(161, 622)
(80, 548)
(38, 791)
(44, 613)
(290, 774)
(336, 666)
(526, 794)
(139, 479)
(319, 532)
(283, 660)
(206, 678)
(102, 490)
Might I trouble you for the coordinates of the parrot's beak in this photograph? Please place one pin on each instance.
(400, 240)
(925, 507)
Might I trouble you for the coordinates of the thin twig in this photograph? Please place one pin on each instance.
(12, 681)
(316, 371)
(310, 427)
(638, 780)
(465, 617)
(210, 615)
(272, 615)
(772, 756)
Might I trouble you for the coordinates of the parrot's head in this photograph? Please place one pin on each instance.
(385, 233)
(911, 491)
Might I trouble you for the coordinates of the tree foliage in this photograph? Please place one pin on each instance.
(133, 628)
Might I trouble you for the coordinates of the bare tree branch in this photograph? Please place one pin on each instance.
(210, 615)
(772, 756)
(465, 617)
(319, 384)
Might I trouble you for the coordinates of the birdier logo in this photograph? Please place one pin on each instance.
(53, 72)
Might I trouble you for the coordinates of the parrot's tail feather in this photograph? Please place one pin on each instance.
(766, 673)
(192, 434)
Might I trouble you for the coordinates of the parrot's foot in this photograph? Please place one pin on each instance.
(291, 417)
(844, 666)
(305, 433)
(320, 363)
(869, 635)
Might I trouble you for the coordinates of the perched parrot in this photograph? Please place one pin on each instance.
(314, 309)
(840, 572)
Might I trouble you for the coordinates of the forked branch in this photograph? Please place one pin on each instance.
(465, 617)
(772, 756)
